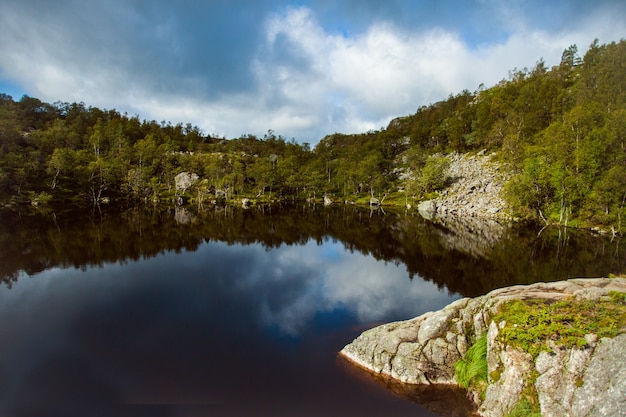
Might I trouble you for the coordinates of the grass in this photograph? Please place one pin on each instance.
(524, 408)
(471, 371)
(532, 324)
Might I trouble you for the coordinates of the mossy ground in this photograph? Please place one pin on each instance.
(531, 325)
(524, 408)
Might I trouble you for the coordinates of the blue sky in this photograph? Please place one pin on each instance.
(304, 69)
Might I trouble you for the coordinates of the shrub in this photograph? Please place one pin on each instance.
(434, 174)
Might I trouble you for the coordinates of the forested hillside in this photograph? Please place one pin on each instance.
(561, 131)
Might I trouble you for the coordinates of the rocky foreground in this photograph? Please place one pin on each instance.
(580, 381)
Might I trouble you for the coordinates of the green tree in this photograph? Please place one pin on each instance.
(434, 174)
(530, 192)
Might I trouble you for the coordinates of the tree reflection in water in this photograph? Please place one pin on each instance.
(469, 258)
(241, 312)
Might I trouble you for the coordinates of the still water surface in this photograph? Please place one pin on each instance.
(170, 313)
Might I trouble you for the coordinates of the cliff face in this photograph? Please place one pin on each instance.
(588, 380)
(475, 184)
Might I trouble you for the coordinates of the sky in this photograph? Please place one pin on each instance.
(303, 69)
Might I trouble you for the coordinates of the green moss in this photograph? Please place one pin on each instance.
(525, 408)
(471, 371)
(529, 395)
(430, 196)
(617, 296)
(531, 324)
(579, 382)
(469, 331)
(494, 376)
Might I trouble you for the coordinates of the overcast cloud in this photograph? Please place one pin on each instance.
(301, 68)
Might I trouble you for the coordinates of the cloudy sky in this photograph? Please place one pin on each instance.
(302, 68)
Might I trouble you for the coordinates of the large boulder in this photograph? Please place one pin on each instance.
(427, 209)
(185, 180)
(578, 381)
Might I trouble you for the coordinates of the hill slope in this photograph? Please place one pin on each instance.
(561, 131)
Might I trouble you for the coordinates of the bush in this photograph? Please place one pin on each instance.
(434, 174)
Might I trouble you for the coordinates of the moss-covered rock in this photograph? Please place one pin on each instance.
(552, 348)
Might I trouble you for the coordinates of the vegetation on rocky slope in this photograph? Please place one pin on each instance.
(561, 132)
(566, 379)
(534, 325)
(542, 325)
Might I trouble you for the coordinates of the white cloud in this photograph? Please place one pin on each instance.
(307, 81)
(386, 72)
(373, 290)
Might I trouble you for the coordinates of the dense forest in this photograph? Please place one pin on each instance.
(561, 131)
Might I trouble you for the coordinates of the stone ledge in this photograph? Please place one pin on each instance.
(425, 349)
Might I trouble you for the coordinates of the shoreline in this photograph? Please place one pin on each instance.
(425, 350)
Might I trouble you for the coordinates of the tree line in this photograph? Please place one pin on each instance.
(561, 131)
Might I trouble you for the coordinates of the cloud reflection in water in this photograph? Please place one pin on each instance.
(288, 285)
(181, 327)
(329, 277)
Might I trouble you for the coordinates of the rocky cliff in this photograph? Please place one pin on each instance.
(475, 184)
(583, 379)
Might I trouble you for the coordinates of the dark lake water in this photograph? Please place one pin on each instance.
(226, 312)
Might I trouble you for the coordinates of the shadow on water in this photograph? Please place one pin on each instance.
(463, 257)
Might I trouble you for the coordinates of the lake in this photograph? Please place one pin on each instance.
(231, 312)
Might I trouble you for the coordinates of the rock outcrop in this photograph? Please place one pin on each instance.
(579, 381)
(476, 183)
(185, 180)
(471, 207)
